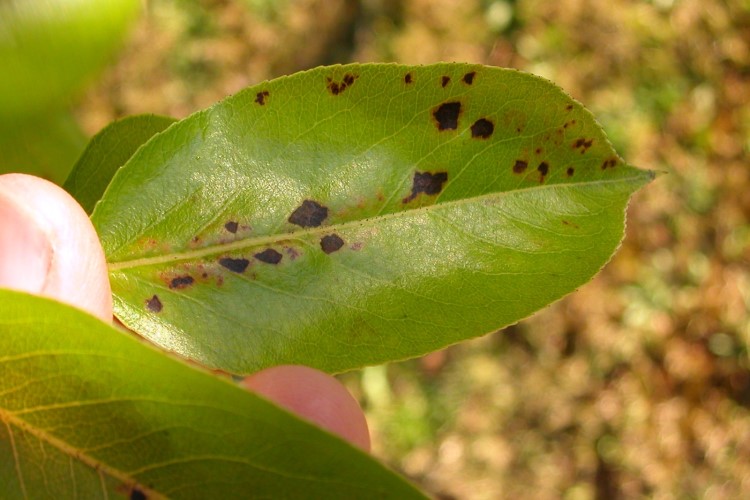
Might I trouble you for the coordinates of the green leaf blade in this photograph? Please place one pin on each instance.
(107, 152)
(352, 215)
(86, 410)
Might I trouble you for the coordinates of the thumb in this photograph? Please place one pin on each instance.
(49, 247)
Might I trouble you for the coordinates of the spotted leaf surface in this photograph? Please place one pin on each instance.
(352, 215)
(89, 412)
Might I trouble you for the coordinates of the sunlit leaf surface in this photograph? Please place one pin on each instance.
(357, 214)
(87, 411)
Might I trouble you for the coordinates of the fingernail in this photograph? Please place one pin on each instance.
(25, 250)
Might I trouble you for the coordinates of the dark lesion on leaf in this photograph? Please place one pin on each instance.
(154, 304)
(520, 166)
(309, 214)
(136, 494)
(232, 226)
(336, 88)
(181, 282)
(482, 129)
(446, 115)
(261, 97)
(331, 242)
(234, 265)
(583, 144)
(408, 78)
(269, 256)
(469, 77)
(426, 182)
(570, 171)
(609, 163)
(444, 81)
(569, 107)
(543, 170)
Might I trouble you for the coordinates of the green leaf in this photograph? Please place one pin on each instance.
(45, 146)
(87, 411)
(48, 48)
(107, 152)
(352, 215)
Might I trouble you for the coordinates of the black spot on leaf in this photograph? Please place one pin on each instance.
(408, 78)
(482, 129)
(136, 494)
(269, 256)
(336, 88)
(446, 115)
(261, 97)
(309, 214)
(570, 171)
(609, 163)
(181, 282)
(582, 144)
(543, 168)
(427, 183)
(520, 166)
(231, 226)
(331, 242)
(234, 265)
(469, 77)
(445, 81)
(154, 304)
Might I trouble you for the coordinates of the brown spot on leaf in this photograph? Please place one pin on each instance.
(445, 81)
(538, 151)
(408, 78)
(609, 163)
(261, 97)
(154, 304)
(181, 282)
(583, 144)
(231, 226)
(569, 107)
(520, 166)
(446, 115)
(570, 171)
(469, 77)
(309, 214)
(292, 252)
(234, 265)
(543, 169)
(427, 183)
(331, 242)
(571, 224)
(336, 88)
(482, 129)
(269, 256)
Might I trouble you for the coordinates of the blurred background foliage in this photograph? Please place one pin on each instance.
(636, 385)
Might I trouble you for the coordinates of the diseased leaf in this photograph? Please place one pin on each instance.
(352, 215)
(87, 411)
(107, 152)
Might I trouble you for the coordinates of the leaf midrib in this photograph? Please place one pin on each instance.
(246, 243)
(91, 462)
